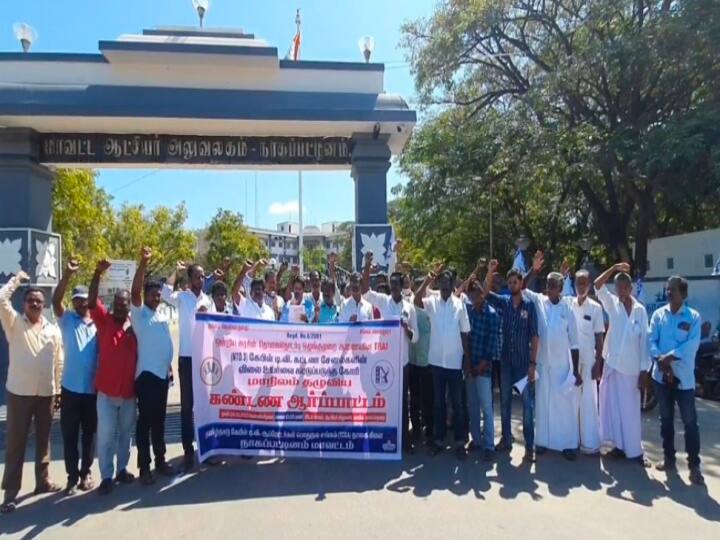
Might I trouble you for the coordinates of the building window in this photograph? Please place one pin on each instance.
(709, 263)
(670, 263)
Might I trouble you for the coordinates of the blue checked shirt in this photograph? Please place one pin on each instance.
(519, 326)
(485, 338)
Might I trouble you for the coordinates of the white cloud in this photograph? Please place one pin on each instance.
(284, 208)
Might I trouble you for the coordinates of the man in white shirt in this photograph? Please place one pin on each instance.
(558, 376)
(449, 329)
(394, 306)
(155, 353)
(355, 308)
(590, 330)
(253, 307)
(626, 367)
(187, 302)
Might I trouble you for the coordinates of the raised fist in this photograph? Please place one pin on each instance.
(103, 265)
(73, 265)
(145, 254)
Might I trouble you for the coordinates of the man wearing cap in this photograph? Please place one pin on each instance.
(78, 410)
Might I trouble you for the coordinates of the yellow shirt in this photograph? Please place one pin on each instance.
(36, 352)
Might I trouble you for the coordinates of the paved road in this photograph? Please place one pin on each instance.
(421, 497)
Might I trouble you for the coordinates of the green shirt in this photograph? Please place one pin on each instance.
(419, 350)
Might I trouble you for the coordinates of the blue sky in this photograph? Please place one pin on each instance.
(331, 29)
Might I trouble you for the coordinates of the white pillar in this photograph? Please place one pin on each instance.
(300, 219)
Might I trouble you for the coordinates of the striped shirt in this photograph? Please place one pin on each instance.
(519, 326)
(485, 334)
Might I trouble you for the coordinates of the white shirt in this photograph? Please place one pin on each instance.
(187, 305)
(362, 309)
(626, 347)
(556, 327)
(403, 310)
(250, 309)
(589, 320)
(448, 319)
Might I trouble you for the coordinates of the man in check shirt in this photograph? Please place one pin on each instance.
(115, 382)
(33, 380)
(449, 328)
(394, 306)
(187, 302)
(626, 366)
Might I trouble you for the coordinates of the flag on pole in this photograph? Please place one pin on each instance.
(294, 52)
(519, 261)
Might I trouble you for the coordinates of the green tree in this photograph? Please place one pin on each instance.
(227, 236)
(162, 229)
(83, 216)
(604, 84)
(314, 258)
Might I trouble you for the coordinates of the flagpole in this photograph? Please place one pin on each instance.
(300, 219)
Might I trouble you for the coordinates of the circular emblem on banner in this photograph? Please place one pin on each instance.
(210, 371)
(382, 375)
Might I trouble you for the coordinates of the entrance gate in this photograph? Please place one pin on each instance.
(182, 97)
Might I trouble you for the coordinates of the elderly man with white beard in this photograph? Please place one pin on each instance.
(557, 394)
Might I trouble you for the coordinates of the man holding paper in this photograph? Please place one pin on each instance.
(518, 357)
(590, 330)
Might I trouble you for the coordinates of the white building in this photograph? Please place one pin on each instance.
(283, 242)
(691, 254)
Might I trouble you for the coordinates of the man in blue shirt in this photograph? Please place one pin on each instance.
(674, 339)
(485, 342)
(518, 357)
(155, 353)
(78, 400)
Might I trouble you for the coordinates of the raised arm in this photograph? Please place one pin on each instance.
(100, 269)
(237, 284)
(365, 284)
(59, 294)
(603, 278)
(139, 278)
(420, 293)
(8, 315)
(537, 265)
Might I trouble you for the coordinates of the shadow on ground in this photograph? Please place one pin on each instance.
(418, 476)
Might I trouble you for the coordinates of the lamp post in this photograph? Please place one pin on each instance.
(366, 44)
(201, 6)
(26, 34)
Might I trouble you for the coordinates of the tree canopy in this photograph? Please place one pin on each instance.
(227, 236)
(573, 118)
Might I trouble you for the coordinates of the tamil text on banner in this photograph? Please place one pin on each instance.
(276, 389)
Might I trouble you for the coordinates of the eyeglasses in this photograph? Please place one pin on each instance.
(34, 301)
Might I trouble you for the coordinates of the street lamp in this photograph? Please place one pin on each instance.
(367, 46)
(26, 34)
(201, 6)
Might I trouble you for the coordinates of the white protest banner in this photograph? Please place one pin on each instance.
(280, 389)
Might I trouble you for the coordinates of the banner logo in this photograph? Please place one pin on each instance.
(210, 371)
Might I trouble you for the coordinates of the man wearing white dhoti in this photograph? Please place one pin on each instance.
(626, 366)
(557, 393)
(590, 331)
